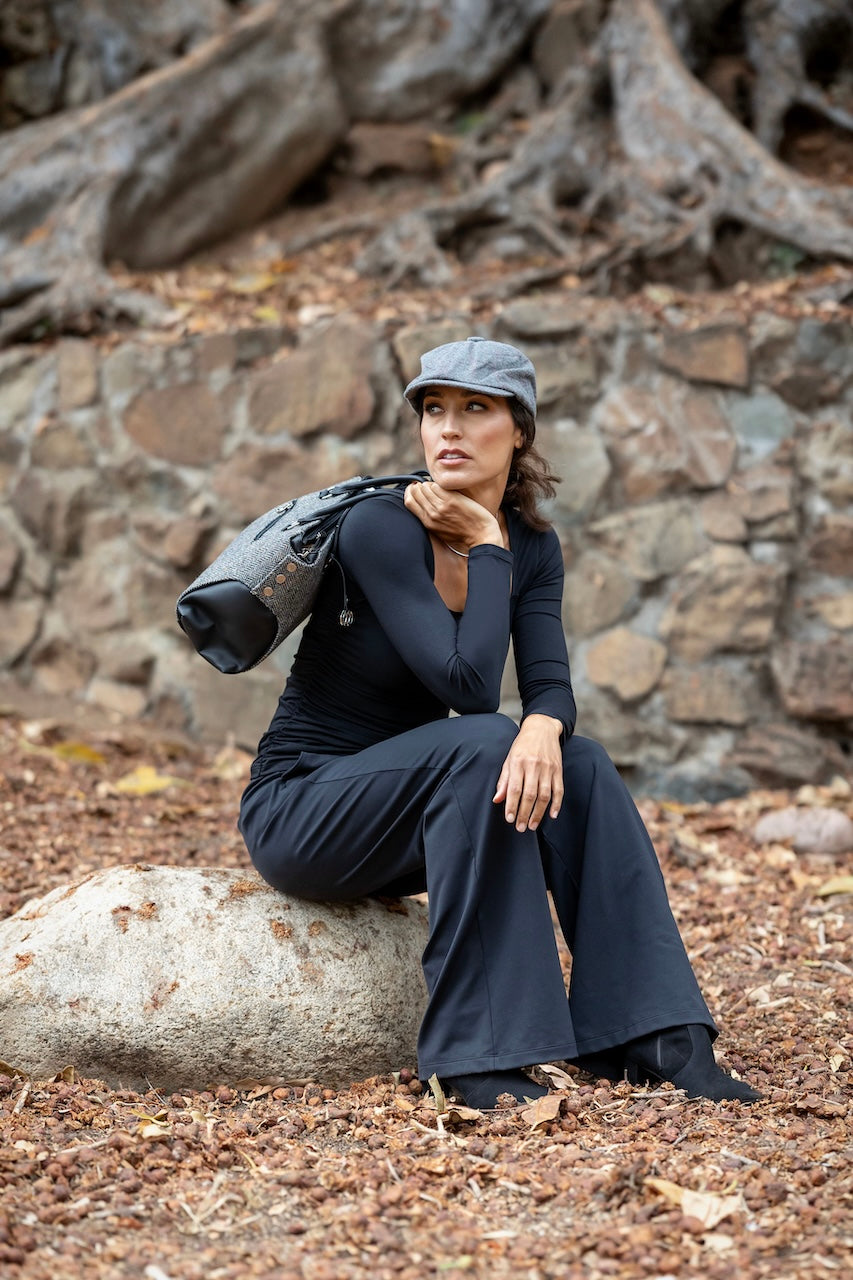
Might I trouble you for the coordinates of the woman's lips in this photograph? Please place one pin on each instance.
(453, 456)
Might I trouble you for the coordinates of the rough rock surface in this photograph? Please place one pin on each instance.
(180, 976)
(826, 831)
(709, 518)
(407, 58)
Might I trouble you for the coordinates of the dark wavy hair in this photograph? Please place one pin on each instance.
(531, 479)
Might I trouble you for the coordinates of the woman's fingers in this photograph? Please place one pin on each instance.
(528, 793)
(530, 783)
(557, 791)
(450, 515)
(503, 783)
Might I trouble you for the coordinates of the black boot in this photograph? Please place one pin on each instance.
(684, 1056)
(482, 1089)
(607, 1065)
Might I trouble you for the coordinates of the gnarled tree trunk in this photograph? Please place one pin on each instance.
(171, 162)
(632, 163)
(637, 146)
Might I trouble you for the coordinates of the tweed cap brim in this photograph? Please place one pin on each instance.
(477, 364)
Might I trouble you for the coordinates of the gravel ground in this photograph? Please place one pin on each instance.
(296, 1181)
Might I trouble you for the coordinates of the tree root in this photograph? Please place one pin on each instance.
(632, 162)
(80, 301)
(179, 158)
(685, 166)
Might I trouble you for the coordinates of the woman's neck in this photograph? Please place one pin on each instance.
(490, 497)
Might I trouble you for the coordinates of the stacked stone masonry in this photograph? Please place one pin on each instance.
(706, 515)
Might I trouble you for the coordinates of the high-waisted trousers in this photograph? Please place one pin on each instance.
(415, 813)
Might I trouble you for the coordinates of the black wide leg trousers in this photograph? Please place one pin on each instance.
(415, 812)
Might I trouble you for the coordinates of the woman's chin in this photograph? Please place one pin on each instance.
(448, 477)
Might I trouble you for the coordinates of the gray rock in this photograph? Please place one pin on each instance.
(633, 738)
(807, 830)
(566, 375)
(20, 377)
(21, 620)
(628, 663)
(830, 549)
(724, 601)
(10, 556)
(598, 592)
(185, 977)
(563, 315)
(322, 386)
(578, 456)
(691, 783)
(51, 508)
(722, 518)
(783, 755)
(713, 693)
(60, 665)
(715, 353)
(825, 457)
(815, 678)
(77, 369)
(129, 369)
(763, 493)
(761, 422)
(410, 343)
(664, 436)
(653, 540)
(183, 424)
(258, 477)
(245, 705)
(828, 343)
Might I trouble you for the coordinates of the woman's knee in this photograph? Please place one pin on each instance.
(586, 750)
(489, 737)
(584, 758)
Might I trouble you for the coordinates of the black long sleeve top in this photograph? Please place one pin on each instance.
(407, 659)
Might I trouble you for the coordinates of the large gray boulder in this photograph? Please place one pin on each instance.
(186, 977)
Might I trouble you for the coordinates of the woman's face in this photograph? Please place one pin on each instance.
(468, 438)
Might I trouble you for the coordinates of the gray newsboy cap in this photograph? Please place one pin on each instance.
(477, 364)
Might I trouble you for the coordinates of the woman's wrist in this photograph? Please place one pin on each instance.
(490, 534)
(542, 719)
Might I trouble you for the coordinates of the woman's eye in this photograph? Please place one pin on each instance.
(432, 408)
(476, 404)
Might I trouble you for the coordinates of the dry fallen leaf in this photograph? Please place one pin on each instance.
(543, 1110)
(268, 315)
(145, 780)
(838, 884)
(252, 283)
(154, 1130)
(78, 753)
(231, 763)
(368, 1180)
(560, 1079)
(704, 1206)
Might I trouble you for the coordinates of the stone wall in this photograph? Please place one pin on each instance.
(705, 513)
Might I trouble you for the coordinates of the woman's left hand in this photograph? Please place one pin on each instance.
(531, 779)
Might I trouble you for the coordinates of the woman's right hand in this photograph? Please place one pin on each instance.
(452, 516)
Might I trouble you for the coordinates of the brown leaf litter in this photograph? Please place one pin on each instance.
(286, 1180)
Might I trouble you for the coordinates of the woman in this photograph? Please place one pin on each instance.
(364, 786)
